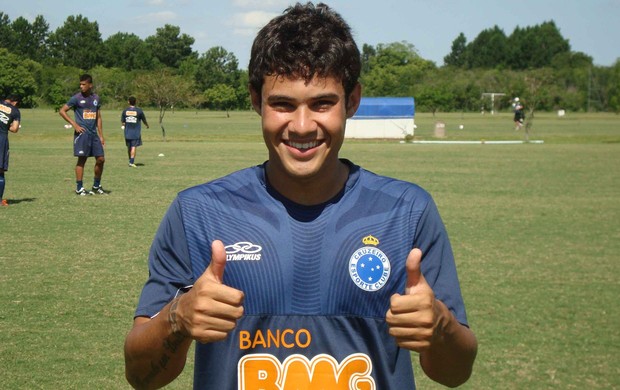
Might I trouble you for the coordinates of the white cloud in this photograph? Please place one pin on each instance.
(261, 4)
(159, 17)
(251, 20)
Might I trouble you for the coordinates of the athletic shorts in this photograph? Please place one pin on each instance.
(133, 142)
(4, 153)
(87, 145)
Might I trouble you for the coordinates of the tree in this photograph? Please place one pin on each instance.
(77, 43)
(613, 87)
(5, 31)
(217, 66)
(457, 54)
(394, 69)
(112, 84)
(18, 77)
(395, 53)
(29, 40)
(368, 52)
(242, 92)
(537, 94)
(57, 84)
(169, 46)
(127, 51)
(164, 90)
(535, 47)
(488, 50)
(222, 97)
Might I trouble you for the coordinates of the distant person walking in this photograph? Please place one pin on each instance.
(9, 121)
(88, 133)
(519, 116)
(132, 118)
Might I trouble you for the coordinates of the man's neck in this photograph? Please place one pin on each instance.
(313, 190)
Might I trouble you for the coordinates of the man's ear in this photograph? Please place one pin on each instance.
(353, 101)
(256, 100)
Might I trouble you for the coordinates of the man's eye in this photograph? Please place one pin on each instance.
(322, 105)
(284, 106)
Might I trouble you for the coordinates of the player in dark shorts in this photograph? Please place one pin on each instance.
(131, 119)
(88, 138)
(10, 118)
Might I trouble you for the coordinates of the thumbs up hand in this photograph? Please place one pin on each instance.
(210, 310)
(413, 317)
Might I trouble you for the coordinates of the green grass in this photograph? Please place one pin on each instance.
(535, 230)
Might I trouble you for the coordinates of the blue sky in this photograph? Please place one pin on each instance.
(591, 26)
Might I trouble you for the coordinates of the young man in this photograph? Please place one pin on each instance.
(306, 270)
(519, 116)
(131, 119)
(88, 134)
(10, 118)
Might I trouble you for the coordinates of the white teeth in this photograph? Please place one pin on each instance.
(307, 145)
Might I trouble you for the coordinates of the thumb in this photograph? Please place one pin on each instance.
(414, 274)
(215, 270)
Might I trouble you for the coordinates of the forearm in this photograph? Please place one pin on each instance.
(64, 115)
(100, 126)
(154, 354)
(451, 356)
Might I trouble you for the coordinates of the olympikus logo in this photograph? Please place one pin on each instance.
(243, 251)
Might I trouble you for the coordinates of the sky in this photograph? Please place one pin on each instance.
(591, 26)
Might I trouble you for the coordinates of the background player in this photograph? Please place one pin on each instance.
(306, 271)
(88, 133)
(10, 118)
(131, 119)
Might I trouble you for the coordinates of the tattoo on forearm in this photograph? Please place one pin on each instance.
(170, 345)
(172, 316)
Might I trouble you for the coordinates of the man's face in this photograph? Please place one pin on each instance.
(303, 124)
(85, 86)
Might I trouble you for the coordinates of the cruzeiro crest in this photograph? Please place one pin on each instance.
(369, 267)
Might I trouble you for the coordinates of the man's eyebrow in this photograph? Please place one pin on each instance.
(278, 98)
(327, 96)
(281, 97)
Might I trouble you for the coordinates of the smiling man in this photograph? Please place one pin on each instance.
(306, 271)
(303, 126)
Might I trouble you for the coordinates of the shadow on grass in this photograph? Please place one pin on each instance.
(16, 201)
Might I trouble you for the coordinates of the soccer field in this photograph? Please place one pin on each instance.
(535, 230)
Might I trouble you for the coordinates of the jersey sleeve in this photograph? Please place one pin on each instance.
(438, 266)
(169, 265)
(72, 101)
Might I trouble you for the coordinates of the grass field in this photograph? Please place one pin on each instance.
(535, 230)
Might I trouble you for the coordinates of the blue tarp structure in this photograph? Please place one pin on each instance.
(385, 108)
(383, 118)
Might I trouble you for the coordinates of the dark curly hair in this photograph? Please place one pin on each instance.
(305, 41)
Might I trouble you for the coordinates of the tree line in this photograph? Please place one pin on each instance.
(535, 63)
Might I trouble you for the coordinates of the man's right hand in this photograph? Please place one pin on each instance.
(210, 310)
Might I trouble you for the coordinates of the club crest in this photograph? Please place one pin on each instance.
(369, 267)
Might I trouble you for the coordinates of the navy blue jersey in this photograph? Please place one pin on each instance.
(86, 109)
(8, 114)
(317, 279)
(132, 118)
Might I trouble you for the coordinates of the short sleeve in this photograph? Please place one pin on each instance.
(438, 266)
(169, 265)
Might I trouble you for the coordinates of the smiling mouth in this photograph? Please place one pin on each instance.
(303, 145)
